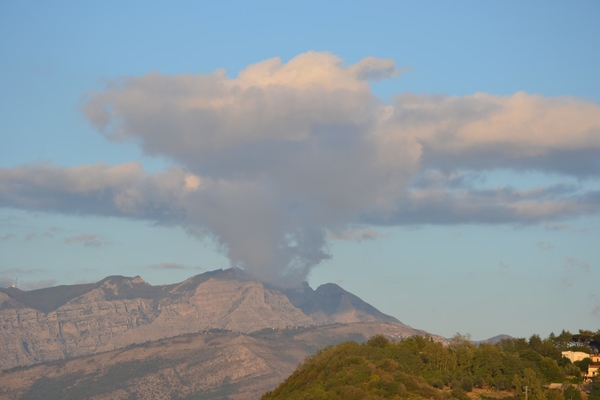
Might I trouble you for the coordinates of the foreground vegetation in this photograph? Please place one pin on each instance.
(421, 368)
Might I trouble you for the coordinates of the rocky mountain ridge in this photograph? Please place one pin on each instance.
(214, 364)
(68, 321)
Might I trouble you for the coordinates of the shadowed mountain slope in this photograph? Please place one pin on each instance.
(331, 304)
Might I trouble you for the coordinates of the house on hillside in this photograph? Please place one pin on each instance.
(575, 355)
(594, 367)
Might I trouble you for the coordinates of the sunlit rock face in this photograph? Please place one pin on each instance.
(68, 321)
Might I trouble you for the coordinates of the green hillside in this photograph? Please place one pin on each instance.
(421, 368)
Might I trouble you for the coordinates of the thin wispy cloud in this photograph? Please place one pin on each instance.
(22, 271)
(573, 264)
(7, 236)
(172, 266)
(557, 227)
(573, 269)
(565, 283)
(88, 240)
(31, 236)
(51, 232)
(356, 235)
(9, 222)
(48, 234)
(544, 246)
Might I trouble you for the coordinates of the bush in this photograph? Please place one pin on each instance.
(478, 382)
(378, 341)
(438, 384)
(467, 384)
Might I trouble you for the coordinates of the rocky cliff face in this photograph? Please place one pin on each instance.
(68, 321)
(215, 365)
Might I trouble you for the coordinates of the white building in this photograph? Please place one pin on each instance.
(575, 355)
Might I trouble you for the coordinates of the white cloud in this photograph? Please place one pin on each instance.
(204, 113)
(519, 131)
(99, 189)
(271, 160)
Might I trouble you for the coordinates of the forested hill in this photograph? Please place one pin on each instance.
(421, 368)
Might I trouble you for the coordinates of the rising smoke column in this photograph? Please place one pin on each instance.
(284, 152)
(273, 162)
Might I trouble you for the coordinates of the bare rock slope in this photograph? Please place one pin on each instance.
(68, 321)
(209, 365)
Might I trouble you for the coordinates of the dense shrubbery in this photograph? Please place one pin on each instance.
(421, 368)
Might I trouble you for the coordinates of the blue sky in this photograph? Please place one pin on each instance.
(451, 180)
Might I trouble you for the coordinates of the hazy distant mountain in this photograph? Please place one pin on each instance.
(67, 321)
(495, 339)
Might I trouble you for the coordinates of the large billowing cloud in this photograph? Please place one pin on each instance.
(269, 162)
(520, 131)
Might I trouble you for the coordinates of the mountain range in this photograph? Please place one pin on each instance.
(68, 321)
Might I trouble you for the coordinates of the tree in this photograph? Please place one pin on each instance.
(572, 370)
(378, 341)
(437, 358)
(594, 390)
(488, 363)
(584, 338)
(550, 369)
(535, 342)
(572, 393)
(529, 384)
(583, 364)
(461, 340)
(464, 350)
(564, 340)
(595, 342)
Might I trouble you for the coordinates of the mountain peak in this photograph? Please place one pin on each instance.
(330, 303)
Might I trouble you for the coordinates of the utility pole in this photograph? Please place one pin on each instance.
(526, 391)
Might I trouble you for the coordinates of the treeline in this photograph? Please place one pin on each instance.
(418, 367)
